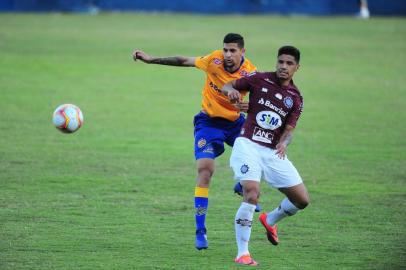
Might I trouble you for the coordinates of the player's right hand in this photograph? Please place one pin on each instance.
(137, 54)
(234, 96)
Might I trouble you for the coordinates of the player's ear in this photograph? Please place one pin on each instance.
(243, 51)
(297, 67)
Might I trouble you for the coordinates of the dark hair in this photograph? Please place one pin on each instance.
(234, 38)
(290, 50)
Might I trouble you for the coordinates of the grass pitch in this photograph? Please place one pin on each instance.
(118, 194)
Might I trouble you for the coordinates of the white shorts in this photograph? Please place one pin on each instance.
(251, 161)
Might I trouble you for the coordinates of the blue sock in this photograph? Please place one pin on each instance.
(201, 203)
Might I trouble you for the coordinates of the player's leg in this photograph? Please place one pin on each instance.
(205, 170)
(246, 169)
(296, 199)
(243, 221)
(283, 175)
(232, 133)
(208, 145)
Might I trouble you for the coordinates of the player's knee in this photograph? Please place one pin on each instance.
(302, 203)
(251, 196)
(204, 174)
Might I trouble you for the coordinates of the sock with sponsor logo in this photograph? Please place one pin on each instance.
(243, 223)
(286, 208)
(201, 203)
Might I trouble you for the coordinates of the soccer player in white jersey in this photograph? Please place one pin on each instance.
(275, 105)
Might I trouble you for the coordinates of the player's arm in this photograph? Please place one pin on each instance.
(180, 61)
(229, 90)
(284, 141)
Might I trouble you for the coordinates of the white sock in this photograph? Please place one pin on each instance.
(286, 208)
(243, 223)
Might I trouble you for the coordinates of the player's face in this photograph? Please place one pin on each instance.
(286, 66)
(232, 55)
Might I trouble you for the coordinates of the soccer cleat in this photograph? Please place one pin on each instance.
(201, 239)
(271, 231)
(238, 190)
(246, 260)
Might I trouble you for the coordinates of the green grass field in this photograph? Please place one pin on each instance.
(118, 194)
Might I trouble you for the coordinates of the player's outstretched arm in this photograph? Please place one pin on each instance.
(284, 141)
(180, 61)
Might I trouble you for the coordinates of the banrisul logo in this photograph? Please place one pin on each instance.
(269, 120)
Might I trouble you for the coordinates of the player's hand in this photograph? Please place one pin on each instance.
(234, 96)
(281, 150)
(137, 54)
(242, 106)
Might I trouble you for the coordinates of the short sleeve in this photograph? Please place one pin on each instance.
(203, 62)
(294, 115)
(243, 84)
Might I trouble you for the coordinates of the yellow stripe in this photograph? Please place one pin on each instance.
(201, 192)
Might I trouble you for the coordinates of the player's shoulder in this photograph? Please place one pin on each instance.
(257, 75)
(248, 65)
(295, 93)
(217, 54)
(294, 90)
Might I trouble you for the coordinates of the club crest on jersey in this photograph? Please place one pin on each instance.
(269, 120)
(288, 101)
(201, 143)
(244, 168)
(217, 61)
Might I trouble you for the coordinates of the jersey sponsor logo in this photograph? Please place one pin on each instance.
(262, 135)
(288, 101)
(244, 168)
(269, 120)
(265, 90)
(217, 61)
(268, 104)
(215, 87)
(201, 143)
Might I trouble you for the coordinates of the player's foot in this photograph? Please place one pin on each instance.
(238, 190)
(201, 239)
(271, 231)
(246, 260)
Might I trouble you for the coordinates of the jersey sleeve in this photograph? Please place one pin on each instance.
(243, 84)
(203, 62)
(294, 115)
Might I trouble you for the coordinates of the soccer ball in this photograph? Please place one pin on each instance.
(67, 118)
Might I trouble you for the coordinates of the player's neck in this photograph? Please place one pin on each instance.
(232, 69)
(235, 67)
(284, 83)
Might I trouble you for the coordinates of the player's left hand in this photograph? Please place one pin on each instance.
(281, 150)
(242, 106)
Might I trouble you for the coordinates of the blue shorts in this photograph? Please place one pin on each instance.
(212, 132)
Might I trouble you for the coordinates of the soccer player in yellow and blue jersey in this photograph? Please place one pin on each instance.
(219, 121)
